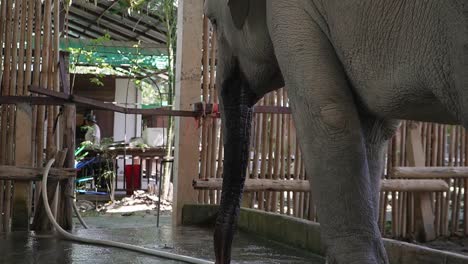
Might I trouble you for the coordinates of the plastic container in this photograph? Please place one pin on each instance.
(132, 172)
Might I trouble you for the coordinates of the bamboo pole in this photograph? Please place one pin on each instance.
(261, 199)
(11, 114)
(272, 129)
(214, 147)
(453, 225)
(465, 188)
(57, 29)
(256, 147)
(27, 78)
(41, 77)
(202, 195)
(394, 214)
(277, 152)
(220, 162)
(282, 153)
(288, 160)
(29, 25)
(434, 162)
(302, 198)
(209, 141)
(8, 48)
(14, 52)
(3, 90)
(37, 110)
(21, 51)
(46, 50)
(213, 99)
(37, 42)
(297, 160)
(459, 182)
(3, 22)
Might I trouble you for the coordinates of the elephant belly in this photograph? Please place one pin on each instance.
(386, 100)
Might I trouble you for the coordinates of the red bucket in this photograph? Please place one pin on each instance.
(132, 172)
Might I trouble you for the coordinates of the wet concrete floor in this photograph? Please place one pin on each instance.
(20, 247)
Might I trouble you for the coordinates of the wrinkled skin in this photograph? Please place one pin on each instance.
(351, 69)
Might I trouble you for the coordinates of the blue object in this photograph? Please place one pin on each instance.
(84, 179)
(82, 164)
(91, 192)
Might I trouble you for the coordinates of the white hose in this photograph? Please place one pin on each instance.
(78, 215)
(69, 236)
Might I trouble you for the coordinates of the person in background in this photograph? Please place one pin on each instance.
(93, 134)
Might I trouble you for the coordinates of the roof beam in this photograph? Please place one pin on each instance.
(89, 17)
(150, 21)
(149, 30)
(88, 24)
(80, 30)
(88, 27)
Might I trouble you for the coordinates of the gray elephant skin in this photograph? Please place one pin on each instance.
(351, 68)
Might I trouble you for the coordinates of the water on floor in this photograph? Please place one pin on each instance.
(20, 247)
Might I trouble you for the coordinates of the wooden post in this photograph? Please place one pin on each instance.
(23, 157)
(68, 187)
(189, 56)
(424, 213)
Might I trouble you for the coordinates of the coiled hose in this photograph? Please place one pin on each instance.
(68, 236)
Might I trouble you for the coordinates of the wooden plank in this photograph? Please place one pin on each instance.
(189, 55)
(23, 157)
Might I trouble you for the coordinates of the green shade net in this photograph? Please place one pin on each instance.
(115, 53)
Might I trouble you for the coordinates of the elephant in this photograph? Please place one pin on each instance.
(352, 69)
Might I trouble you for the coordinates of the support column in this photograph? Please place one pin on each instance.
(188, 89)
(22, 194)
(67, 187)
(424, 211)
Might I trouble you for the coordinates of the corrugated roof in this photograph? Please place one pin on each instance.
(93, 20)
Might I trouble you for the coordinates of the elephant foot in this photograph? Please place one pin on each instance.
(223, 236)
(357, 250)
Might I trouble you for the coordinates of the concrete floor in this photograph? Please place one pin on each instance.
(19, 247)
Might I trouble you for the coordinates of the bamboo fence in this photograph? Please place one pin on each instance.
(29, 33)
(275, 154)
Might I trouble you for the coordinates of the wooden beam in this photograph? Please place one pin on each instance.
(430, 172)
(51, 93)
(24, 173)
(96, 104)
(162, 112)
(254, 185)
(414, 185)
(207, 109)
(32, 100)
(189, 56)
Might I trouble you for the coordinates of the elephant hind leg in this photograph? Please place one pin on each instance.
(377, 132)
(330, 133)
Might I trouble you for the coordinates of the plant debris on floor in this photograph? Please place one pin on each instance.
(139, 201)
